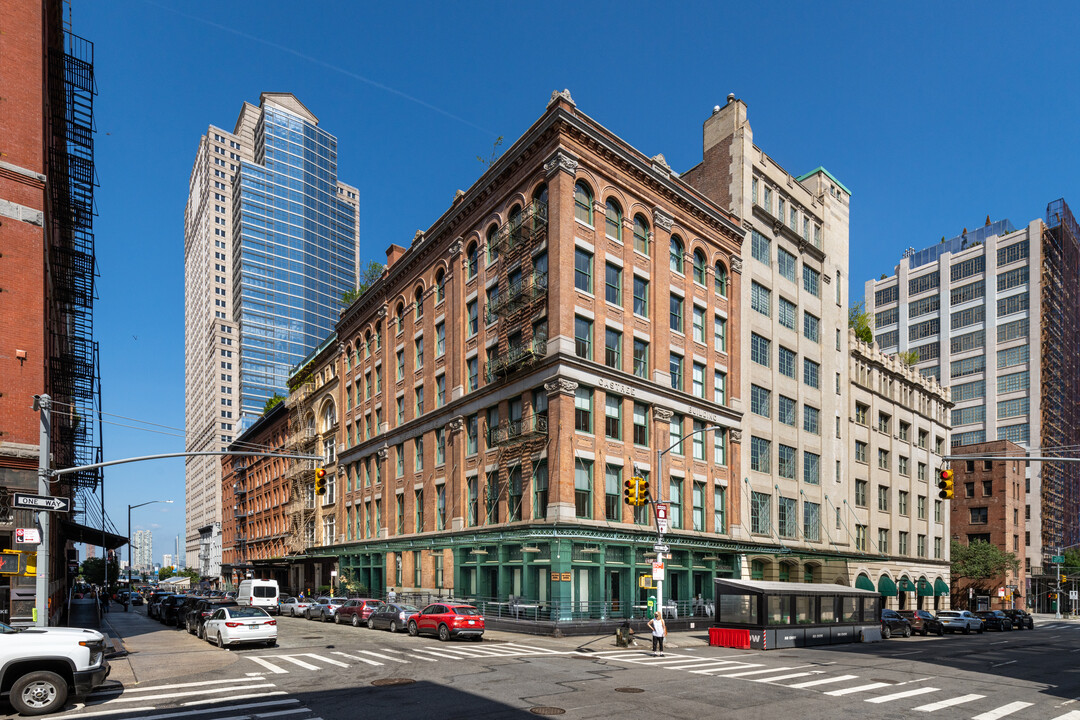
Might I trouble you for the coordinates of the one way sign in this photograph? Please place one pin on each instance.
(41, 502)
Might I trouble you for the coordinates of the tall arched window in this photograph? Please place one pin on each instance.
(440, 286)
(367, 344)
(329, 416)
(757, 570)
(641, 234)
(515, 224)
(492, 247)
(699, 267)
(613, 220)
(721, 279)
(472, 260)
(676, 254)
(583, 203)
(418, 298)
(540, 195)
(539, 206)
(400, 317)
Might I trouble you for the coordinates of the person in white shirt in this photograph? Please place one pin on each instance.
(659, 632)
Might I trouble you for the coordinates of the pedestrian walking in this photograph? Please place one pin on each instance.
(104, 599)
(659, 632)
(391, 596)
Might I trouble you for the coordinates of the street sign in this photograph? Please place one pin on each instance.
(1072, 595)
(40, 502)
(1057, 559)
(27, 535)
(661, 518)
(658, 548)
(658, 570)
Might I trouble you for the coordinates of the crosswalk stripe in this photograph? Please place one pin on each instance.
(295, 661)
(782, 677)
(860, 688)
(384, 657)
(277, 702)
(172, 686)
(904, 694)
(110, 712)
(186, 693)
(823, 681)
(932, 707)
(1074, 715)
(438, 654)
(356, 657)
(698, 663)
(415, 657)
(714, 667)
(268, 665)
(278, 713)
(618, 654)
(722, 673)
(536, 649)
(325, 659)
(235, 697)
(1002, 711)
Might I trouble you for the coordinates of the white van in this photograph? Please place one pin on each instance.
(259, 593)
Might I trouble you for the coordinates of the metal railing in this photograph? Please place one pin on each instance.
(519, 229)
(510, 432)
(522, 291)
(517, 356)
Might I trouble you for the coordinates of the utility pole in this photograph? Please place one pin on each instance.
(43, 404)
(1057, 614)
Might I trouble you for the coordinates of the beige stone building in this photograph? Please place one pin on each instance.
(890, 514)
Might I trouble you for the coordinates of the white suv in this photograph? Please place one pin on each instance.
(41, 667)
(963, 620)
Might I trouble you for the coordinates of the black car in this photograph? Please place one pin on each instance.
(1020, 618)
(392, 616)
(185, 608)
(923, 622)
(995, 620)
(195, 618)
(168, 613)
(893, 624)
(153, 607)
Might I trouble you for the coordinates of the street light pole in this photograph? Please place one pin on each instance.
(130, 507)
(660, 499)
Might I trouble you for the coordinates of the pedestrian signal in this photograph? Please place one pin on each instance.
(945, 484)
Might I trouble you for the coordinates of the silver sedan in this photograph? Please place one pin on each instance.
(960, 620)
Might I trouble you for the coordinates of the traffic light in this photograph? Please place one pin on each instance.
(630, 488)
(643, 490)
(1052, 596)
(945, 484)
(320, 481)
(11, 563)
(1064, 579)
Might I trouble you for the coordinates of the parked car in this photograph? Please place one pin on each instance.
(961, 620)
(259, 593)
(995, 620)
(391, 616)
(293, 606)
(356, 611)
(892, 623)
(448, 621)
(153, 607)
(185, 608)
(235, 625)
(196, 617)
(922, 622)
(136, 599)
(324, 608)
(168, 613)
(1020, 618)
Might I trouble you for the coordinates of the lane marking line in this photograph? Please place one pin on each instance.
(1002, 711)
(860, 688)
(900, 695)
(238, 697)
(932, 707)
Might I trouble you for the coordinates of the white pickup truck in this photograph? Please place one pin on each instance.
(41, 667)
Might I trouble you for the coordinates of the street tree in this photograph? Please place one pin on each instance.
(859, 320)
(981, 561)
(93, 571)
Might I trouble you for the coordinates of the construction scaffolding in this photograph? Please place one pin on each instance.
(522, 342)
(73, 371)
(1060, 381)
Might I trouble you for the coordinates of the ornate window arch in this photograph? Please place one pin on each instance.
(583, 199)
(613, 219)
(677, 250)
(641, 234)
(721, 279)
(699, 266)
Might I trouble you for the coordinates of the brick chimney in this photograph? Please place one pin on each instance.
(393, 253)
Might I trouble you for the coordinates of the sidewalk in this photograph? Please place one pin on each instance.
(154, 652)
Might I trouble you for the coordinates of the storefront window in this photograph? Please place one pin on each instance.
(738, 609)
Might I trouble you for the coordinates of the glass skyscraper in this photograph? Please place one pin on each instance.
(270, 246)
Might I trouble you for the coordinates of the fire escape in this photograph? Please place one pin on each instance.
(301, 473)
(241, 513)
(522, 343)
(74, 381)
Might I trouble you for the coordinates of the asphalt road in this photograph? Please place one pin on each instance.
(339, 672)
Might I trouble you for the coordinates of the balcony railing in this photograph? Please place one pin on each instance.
(511, 432)
(517, 356)
(521, 292)
(239, 489)
(520, 229)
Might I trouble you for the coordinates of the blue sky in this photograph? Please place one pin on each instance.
(933, 114)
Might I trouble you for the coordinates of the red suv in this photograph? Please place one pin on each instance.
(355, 611)
(448, 621)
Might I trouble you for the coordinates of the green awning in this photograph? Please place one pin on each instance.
(906, 585)
(940, 588)
(864, 583)
(926, 588)
(886, 586)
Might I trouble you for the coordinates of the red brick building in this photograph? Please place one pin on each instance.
(46, 276)
(989, 507)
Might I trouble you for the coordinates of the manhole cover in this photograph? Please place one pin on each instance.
(630, 690)
(547, 711)
(382, 682)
